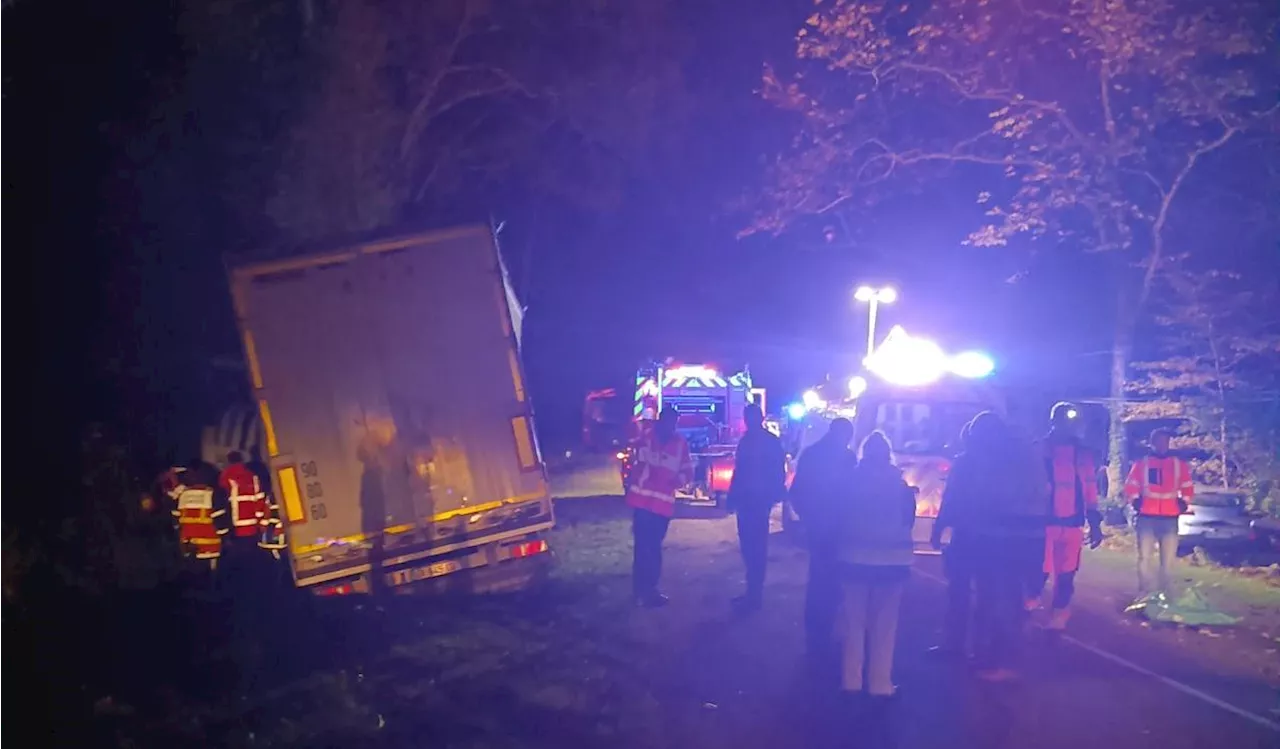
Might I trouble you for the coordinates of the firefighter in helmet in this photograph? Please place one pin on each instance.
(1072, 487)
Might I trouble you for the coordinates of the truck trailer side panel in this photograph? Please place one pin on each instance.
(394, 398)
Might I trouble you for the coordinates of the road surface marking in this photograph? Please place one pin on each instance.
(1184, 688)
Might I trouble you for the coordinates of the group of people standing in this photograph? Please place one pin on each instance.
(209, 510)
(1016, 512)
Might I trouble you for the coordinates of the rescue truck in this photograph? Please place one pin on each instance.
(920, 398)
(604, 420)
(393, 414)
(710, 407)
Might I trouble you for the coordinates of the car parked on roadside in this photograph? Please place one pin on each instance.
(1216, 517)
(1267, 529)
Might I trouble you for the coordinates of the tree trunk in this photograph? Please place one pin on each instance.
(1121, 352)
(1117, 443)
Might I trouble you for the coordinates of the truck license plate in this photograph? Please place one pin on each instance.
(403, 577)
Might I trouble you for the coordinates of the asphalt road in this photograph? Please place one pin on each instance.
(1108, 679)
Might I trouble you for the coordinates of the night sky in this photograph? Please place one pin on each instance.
(125, 305)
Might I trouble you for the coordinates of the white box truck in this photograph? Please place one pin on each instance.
(398, 428)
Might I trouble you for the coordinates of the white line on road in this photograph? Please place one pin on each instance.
(1185, 689)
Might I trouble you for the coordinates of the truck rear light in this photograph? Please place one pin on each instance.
(336, 589)
(721, 478)
(528, 549)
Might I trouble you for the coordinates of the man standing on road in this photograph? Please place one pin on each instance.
(995, 493)
(823, 481)
(1159, 487)
(662, 466)
(1073, 498)
(759, 482)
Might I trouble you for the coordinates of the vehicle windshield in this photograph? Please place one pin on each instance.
(924, 427)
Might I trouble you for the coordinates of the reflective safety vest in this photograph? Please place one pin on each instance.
(1159, 481)
(1073, 482)
(198, 530)
(248, 501)
(271, 529)
(658, 472)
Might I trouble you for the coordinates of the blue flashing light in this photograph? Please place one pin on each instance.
(796, 411)
(972, 364)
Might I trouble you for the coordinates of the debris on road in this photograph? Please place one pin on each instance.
(1190, 609)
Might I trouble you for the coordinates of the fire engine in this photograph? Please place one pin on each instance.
(920, 398)
(604, 420)
(710, 405)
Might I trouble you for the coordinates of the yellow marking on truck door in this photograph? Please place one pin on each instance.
(268, 428)
(514, 363)
(524, 443)
(251, 353)
(329, 542)
(406, 527)
(288, 477)
(473, 509)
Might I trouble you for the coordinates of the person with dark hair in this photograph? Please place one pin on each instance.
(995, 494)
(662, 465)
(875, 555)
(822, 483)
(759, 482)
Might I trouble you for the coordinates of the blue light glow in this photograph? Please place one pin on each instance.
(972, 364)
(796, 411)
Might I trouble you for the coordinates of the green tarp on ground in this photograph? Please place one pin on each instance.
(1189, 608)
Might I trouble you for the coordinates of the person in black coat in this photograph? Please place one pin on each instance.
(759, 482)
(821, 486)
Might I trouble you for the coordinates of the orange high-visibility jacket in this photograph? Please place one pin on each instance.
(198, 521)
(658, 472)
(1073, 482)
(1159, 481)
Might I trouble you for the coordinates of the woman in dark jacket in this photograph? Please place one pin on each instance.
(875, 562)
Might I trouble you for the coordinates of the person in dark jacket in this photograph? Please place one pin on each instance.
(957, 563)
(875, 553)
(759, 482)
(995, 497)
(821, 485)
